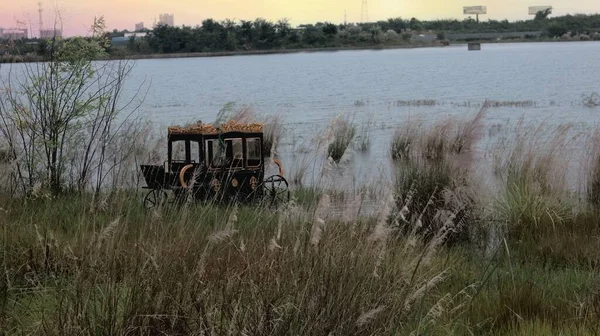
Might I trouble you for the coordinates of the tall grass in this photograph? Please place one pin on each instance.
(69, 268)
(344, 132)
(432, 183)
(363, 138)
(531, 169)
(592, 170)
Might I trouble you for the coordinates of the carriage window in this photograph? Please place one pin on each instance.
(212, 153)
(235, 152)
(178, 150)
(195, 151)
(253, 152)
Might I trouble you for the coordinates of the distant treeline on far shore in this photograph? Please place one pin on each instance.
(236, 36)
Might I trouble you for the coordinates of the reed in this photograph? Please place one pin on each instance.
(344, 132)
(432, 183)
(531, 168)
(116, 270)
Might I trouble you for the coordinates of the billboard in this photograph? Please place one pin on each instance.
(475, 10)
(533, 10)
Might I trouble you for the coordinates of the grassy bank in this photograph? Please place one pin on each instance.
(77, 264)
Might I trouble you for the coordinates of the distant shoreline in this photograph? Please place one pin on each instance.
(34, 59)
(268, 52)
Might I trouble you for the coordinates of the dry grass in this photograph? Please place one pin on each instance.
(432, 182)
(363, 138)
(592, 170)
(343, 132)
(68, 268)
(531, 168)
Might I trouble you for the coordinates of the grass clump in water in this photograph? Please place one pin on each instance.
(432, 186)
(343, 133)
(531, 171)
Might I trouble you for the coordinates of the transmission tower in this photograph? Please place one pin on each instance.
(41, 21)
(364, 11)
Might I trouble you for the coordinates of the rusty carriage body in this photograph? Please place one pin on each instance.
(210, 164)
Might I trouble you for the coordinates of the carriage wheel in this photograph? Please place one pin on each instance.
(277, 190)
(155, 199)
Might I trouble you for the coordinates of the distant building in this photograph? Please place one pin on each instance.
(139, 26)
(50, 33)
(166, 19)
(119, 42)
(137, 35)
(14, 34)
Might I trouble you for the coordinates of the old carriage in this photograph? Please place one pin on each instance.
(206, 163)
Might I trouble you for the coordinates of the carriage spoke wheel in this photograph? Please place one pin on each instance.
(155, 199)
(277, 190)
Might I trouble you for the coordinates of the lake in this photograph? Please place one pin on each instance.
(308, 89)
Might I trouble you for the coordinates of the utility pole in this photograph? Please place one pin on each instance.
(364, 11)
(41, 20)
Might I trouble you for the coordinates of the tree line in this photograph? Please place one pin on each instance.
(260, 34)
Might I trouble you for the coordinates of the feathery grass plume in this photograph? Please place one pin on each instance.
(318, 221)
(381, 232)
(274, 243)
(300, 170)
(421, 291)
(382, 228)
(273, 133)
(228, 231)
(352, 211)
(437, 310)
(369, 316)
(344, 132)
(109, 230)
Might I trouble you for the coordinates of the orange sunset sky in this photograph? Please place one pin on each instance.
(123, 14)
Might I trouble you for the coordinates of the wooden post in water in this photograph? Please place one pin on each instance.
(474, 46)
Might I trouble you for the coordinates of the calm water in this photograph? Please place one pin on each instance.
(309, 89)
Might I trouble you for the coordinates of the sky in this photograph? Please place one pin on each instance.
(77, 15)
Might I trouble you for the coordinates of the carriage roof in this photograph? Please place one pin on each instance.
(201, 129)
